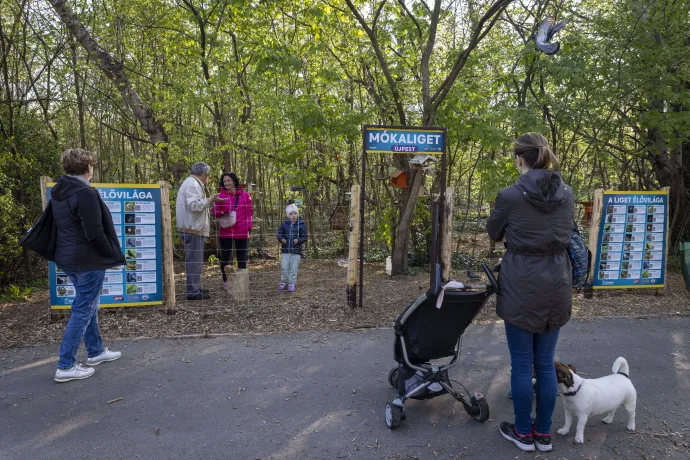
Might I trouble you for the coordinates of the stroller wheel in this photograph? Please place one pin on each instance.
(394, 415)
(393, 377)
(483, 406)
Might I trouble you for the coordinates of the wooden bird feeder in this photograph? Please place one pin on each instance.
(399, 179)
(587, 218)
(380, 171)
(340, 219)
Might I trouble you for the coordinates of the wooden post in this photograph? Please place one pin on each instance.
(595, 223)
(238, 284)
(44, 193)
(166, 238)
(55, 315)
(447, 238)
(662, 291)
(352, 265)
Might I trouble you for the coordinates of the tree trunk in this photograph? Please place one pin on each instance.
(80, 99)
(667, 168)
(114, 70)
(402, 234)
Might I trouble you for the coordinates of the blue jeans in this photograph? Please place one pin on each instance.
(288, 268)
(528, 350)
(83, 322)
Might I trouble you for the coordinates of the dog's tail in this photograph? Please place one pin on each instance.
(621, 365)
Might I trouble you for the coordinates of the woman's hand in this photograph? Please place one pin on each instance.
(216, 199)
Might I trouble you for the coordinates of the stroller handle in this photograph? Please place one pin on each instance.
(493, 284)
(491, 287)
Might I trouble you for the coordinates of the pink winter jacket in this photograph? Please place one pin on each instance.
(243, 224)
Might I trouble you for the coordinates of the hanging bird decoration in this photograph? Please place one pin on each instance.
(546, 32)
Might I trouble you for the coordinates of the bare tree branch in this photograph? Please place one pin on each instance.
(114, 70)
(478, 33)
(377, 14)
(426, 56)
(382, 61)
(409, 13)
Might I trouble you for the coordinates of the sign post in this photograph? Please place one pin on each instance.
(631, 247)
(353, 268)
(424, 143)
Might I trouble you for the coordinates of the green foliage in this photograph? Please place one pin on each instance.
(496, 174)
(24, 157)
(278, 90)
(15, 292)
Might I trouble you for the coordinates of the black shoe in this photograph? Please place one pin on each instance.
(525, 443)
(200, 296)
(542, 441)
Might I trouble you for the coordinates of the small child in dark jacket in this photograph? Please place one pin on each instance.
(292, 234)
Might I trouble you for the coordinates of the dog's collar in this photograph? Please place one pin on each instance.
(573, 393)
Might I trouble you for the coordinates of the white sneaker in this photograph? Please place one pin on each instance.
(104, 357)
(76, 372)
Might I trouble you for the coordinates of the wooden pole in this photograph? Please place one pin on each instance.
(362, 195)
(238, 286)
(166, 238)
(662, 291)
(352, 265)
(44, 193)
(595, 223)
(447, 238)
(55, 315)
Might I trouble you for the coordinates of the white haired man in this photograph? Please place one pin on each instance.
(192, 214)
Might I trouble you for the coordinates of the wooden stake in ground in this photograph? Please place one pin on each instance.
(352, 265)
(55, 315)
(595, 223)
(662, 291)
(166, 238)
(44, 191)
(447, 237)
(238, 284)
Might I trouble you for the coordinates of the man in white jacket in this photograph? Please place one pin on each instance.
(192, 215)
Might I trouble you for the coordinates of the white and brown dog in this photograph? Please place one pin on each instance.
(586, 397)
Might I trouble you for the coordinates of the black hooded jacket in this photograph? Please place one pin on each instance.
(86, 238)
(535, 284)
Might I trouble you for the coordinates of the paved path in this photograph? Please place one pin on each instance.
(322, 396)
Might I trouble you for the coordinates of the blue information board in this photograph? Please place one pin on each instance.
(631, 249)
(136, 212)
(430, 141)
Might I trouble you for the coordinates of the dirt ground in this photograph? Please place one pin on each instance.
(318, 304)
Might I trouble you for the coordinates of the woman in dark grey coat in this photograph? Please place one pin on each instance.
(534, 217)
(86, 246)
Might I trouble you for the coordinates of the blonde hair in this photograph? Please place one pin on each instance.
(76, 161)
(535, 151)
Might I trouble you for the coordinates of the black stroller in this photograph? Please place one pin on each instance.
(424, 332)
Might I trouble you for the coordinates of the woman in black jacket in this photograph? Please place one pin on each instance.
(86, 246)
(534, 217)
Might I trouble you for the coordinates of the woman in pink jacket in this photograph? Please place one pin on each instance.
(239, 202)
